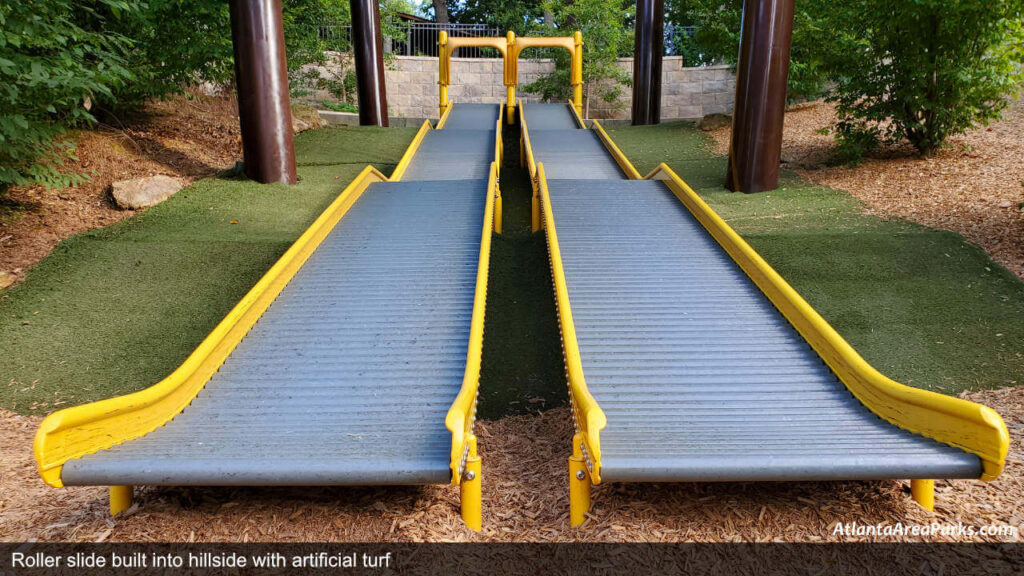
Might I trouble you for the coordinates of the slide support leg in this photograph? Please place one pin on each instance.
(579, 485)
(470, 489)
(923, 492)
(120, 499)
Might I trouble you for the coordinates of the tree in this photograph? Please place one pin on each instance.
(440, 11)
(923, 69)
(716, 39)
(605, 35)
(519, 17)
(53, 65)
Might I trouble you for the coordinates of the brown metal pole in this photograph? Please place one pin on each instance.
(648, 48)
(261, 75)
(368, 54)
(761, 74)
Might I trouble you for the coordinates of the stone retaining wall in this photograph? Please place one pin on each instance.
(686, 92)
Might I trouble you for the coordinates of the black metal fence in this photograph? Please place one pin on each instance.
(420, 38)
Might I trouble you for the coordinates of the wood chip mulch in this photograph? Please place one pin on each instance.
(525, 499)
(975, 186)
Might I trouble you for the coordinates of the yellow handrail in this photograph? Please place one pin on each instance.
(617, 154)
(403, 164)
(462, 414)
(587, 415)
(574, 44)
(969, 426)
(510, 47)
(75, 432)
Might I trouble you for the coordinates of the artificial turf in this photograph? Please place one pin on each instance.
(115, 310)
(923, 306)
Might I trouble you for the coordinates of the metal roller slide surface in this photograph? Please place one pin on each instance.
(567, 151)
(347, 377)
(472, 117)
(699, 375)
(450, 154)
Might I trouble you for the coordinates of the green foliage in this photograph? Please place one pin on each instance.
(605, 35)
(717, 39)
(519, 17)
(178, 43)
(924, 69)
(53, 64)
(339, 106)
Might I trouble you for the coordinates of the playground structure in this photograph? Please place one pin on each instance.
(688, 358)
(510, 48)
(345, 363)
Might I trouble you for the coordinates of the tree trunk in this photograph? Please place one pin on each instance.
(441, 11)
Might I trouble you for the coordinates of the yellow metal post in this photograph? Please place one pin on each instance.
(442, 61)
(120, 499)
(470, 489)
(923, 492)
(510, 77)
(577, 73)
(579, 484)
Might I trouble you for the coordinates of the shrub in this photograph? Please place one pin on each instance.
(53, 65)
(924, 69)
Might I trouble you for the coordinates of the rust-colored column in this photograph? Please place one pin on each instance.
(648, 48)
(761, 74)
(368, 56)
(261, 75)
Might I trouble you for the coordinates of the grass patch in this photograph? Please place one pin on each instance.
(923, 306)
(115, 310)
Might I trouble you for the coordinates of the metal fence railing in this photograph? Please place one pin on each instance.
(420, 38)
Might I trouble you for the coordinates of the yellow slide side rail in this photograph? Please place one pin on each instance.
(446, 111)
(969, 426)
(588, 417)
(620, 158)
(75, 432)
(406, 159)
(462, 414)
(499, 154)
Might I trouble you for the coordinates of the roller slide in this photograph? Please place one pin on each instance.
(690, 360)
(354, 361)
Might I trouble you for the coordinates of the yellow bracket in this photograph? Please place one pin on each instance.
(587, 415)
(75, 432)
(966, 425)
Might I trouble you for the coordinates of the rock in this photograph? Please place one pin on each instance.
(144, 192)
(7, 278)
(714, 122)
